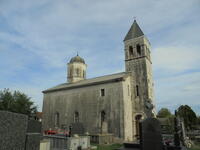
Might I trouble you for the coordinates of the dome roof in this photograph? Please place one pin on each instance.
(77, 59)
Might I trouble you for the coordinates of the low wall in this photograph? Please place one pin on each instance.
(18, 133)
(13, 128)
(54, 142)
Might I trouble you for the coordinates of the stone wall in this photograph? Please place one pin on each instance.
(33, 135)
(127, 109)
(13, 128)
(34, 126)
(89, 103)
(141, 67)
(33, 141)
(17, 132)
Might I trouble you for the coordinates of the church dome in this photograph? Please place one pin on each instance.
(77, 59)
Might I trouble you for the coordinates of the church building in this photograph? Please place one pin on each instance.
(108, 104)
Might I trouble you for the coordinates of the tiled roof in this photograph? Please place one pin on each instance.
(134, 32)
(88, 82)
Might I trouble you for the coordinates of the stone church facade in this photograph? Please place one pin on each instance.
(107, 104)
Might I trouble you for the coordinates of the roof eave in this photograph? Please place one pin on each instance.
(83, 85)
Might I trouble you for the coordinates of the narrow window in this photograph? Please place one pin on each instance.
(77, 72)
(83, 74)
(128, 91)
(103, 116)
(137, 125)
(130, 50)
(102, 92)
(137, 90)
(138, 47)
(76, 117)
(71, 72)
(57, 119)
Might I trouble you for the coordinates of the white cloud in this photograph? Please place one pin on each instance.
(179, 90)
(53, 31)
(48, 28)
(176, 59)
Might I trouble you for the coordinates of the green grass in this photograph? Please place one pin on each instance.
(108, 147)
(195, 147)
(114, 146)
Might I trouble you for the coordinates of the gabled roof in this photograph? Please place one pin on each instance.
(88, 82)
(134, 32)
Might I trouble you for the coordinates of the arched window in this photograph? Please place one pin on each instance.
(130, 50)
(137, 125)
(76, 117)
(103, 116)
(102, 92)
(137, 90)
(71, 72)
(138, 47)
(77, 72)
(83, 74)
(128, 90)
(57, 119)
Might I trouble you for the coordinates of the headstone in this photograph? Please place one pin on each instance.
(77, 128)
(150, 134)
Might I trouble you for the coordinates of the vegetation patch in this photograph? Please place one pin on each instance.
(196, 146)
(108, 147)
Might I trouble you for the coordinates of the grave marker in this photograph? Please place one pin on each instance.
(150, 132)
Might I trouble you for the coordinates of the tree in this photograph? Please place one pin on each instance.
(188, 115)
(6, 100)
(198, 120)
(166, 118)
(16, 102)
(164, 113)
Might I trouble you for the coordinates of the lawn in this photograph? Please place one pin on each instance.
(114, 146)
(195, 147)
(108, 147)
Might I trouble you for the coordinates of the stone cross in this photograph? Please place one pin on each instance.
(177, 130)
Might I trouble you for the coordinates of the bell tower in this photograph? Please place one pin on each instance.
(138, 62)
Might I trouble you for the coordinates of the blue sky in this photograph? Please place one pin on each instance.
(38, 38)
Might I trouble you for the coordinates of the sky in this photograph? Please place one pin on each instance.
(38, 38)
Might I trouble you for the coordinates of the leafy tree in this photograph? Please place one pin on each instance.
(16, 102)
(164, 113)
(188, 115)
(198, 120)
(6, 100)
(169, 118)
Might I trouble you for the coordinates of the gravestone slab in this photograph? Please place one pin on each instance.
(150, 132)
